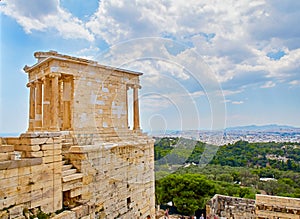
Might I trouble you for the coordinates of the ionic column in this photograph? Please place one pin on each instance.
(136, 116)
(67, 98)
(31, 106)
(126, 94)
(60, 104)
(38, 106)
(46, 103)
(54, 103)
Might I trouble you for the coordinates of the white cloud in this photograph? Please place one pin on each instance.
(88, 53)
(153, 57)
(237, 102)
(222, 66)
(226, 101)
(230, 92)
(155, 102)
(233, 37)
(295, 82)
(46, 15)
(268, 84)
(116, 21)
(197, 94)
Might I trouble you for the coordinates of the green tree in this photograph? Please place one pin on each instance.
(188, 192)
(225, 177)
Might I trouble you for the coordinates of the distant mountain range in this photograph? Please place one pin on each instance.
(271, 127)
(262, 128)
(248, 128)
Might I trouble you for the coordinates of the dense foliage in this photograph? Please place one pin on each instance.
(238, 169)
(284, 183)
(163, 146)
(189, 192)
(281, 156)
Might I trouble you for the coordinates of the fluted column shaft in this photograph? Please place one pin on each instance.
(136, 114)
(38, 106)
(66, 99)
(46, 103)
(54, 106)
(31, 106)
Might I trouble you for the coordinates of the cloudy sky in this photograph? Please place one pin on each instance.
(207, 64)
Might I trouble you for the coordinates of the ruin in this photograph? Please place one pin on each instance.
(79, 155)
(230, 207)
(263, 207)
(277, 207)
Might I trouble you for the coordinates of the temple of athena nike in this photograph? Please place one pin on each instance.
(79, 158)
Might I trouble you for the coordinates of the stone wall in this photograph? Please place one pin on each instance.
(263, 207)
(118, 177)
(277, 207)
(221, 206)
(31, 180)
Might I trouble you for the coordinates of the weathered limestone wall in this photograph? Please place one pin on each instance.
(118, 177)
(263, 207)
(277, 207)
(33, 180)
(105, 101)
(230, 207)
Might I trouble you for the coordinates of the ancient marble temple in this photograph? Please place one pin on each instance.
(79, 156)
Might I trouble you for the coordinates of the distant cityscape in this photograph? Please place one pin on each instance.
(268, 133)
(253, 133)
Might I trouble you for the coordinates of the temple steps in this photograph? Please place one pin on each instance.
(66, 167)
(68, 172)
(65, 147)
(71, 179)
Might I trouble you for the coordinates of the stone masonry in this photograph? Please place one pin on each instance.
(221, 206)
(79, 156)
(263, 207)
(277, 207)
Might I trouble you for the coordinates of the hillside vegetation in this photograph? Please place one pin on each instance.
(241, 169)
(281, 156)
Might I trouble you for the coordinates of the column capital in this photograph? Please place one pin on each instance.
(30, 84)
(133, 86)
(26, 68)
(67, 77)
(54, 74)
(39, 81)
(43, 79)
(137, 86)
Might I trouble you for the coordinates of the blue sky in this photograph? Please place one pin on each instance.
(207, 64)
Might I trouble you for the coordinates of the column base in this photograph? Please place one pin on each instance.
(54, 129)
(29, 131)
